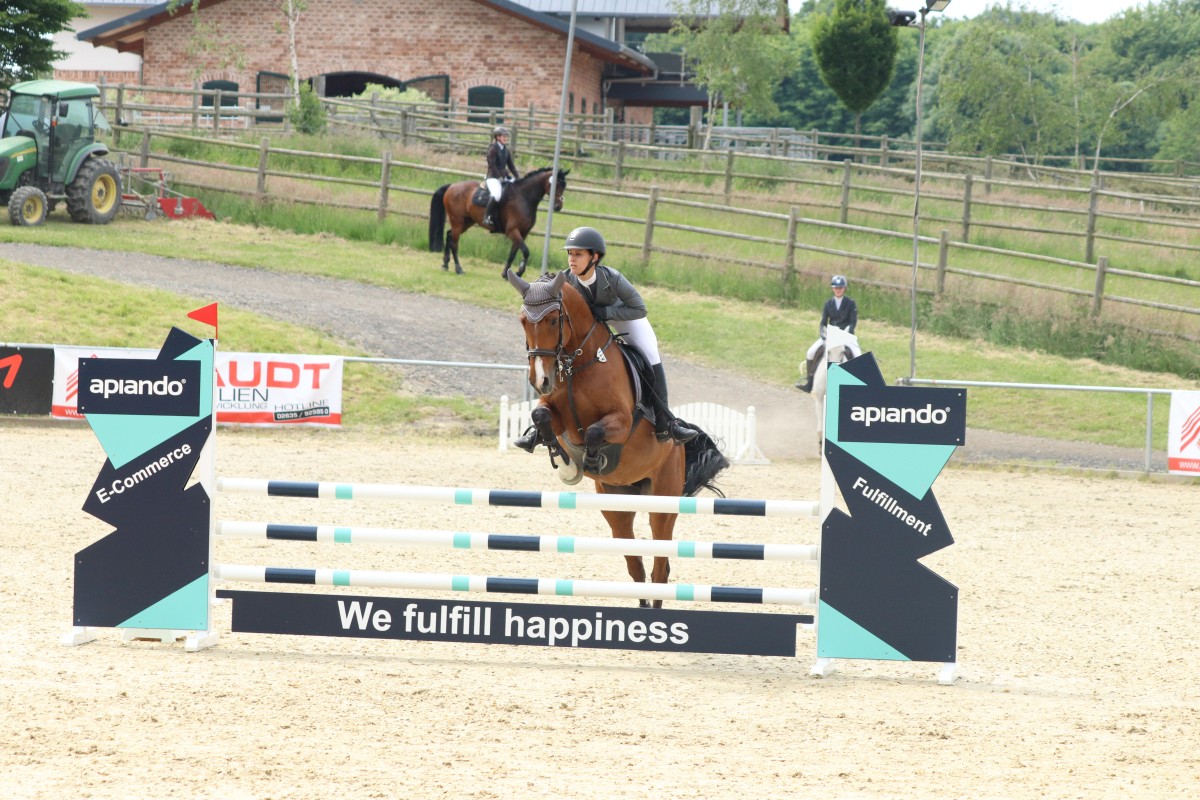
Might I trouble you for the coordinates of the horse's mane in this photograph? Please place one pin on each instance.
(528, 176)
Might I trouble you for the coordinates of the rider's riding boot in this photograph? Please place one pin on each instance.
(807, 383)
(528, 440)
(489, 216)
(666, 425)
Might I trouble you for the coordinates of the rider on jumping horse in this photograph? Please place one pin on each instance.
(499, 167)
(614, 301)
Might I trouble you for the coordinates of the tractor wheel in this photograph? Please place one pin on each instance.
(27, 206)
(94, 196)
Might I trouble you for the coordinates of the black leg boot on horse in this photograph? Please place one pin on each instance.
(666, 425)
(491, 216)
(811, 365)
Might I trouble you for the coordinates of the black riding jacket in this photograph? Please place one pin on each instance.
(611, 296)
(845, 317)
(500, 162)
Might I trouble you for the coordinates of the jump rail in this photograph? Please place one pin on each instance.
(462, 540)
(542, 586)
(440, 495)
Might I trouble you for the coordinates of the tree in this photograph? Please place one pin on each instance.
(855, 47)
(26, 49)
(1001, 86)
(739, 56)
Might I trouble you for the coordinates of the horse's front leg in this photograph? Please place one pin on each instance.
(524, 258)
(610, 429)
(512, 254)
(662, 527)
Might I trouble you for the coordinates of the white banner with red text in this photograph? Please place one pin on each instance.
(1183, 434)
(251, 388)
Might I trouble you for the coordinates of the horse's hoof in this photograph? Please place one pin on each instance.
(570, 474)
(445, 268)
(521, 271)
(643, 603)
(504, 273)
(458, 271)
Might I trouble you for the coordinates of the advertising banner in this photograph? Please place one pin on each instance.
(252, 388)
(1183, 434)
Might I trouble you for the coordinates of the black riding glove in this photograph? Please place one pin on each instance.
(600, 313)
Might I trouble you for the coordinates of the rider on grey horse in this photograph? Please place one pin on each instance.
(839, 311)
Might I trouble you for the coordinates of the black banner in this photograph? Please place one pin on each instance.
(546, 625)
(902, 415)
(144, 387)
(26, 380)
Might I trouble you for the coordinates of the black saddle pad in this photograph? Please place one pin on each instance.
(482, 196)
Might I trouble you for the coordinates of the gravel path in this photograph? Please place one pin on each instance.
(393, 324)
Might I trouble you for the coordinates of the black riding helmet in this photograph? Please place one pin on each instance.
(585, 239)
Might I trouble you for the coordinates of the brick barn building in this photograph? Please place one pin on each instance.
(491, 53)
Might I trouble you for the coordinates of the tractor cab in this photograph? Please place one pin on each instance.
(49, 154)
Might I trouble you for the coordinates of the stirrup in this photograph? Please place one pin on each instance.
(528, 440)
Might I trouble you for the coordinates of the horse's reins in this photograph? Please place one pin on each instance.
(566, 363)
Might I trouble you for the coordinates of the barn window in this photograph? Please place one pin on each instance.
(228, 90)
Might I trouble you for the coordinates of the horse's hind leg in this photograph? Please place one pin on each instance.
(621, 525)
(452, 242)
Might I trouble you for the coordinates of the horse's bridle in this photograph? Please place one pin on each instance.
(567, 363)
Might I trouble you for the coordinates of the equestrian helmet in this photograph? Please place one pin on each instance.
(500, 130)
(838, 281)
(585, 239)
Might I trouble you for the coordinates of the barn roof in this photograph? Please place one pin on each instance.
(127, 34)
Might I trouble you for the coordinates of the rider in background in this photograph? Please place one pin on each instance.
(840, 311)
(499, 169)
(614, 301)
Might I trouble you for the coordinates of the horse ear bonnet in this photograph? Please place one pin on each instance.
(543, 296)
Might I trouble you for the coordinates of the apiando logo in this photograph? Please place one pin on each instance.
(146, 387)
(902, 415)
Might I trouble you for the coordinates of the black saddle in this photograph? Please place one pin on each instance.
(642, 378)
(482, 196)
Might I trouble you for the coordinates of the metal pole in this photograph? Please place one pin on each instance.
(558, 135)
(912, 340)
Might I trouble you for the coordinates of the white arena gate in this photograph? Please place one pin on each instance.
(735, 433)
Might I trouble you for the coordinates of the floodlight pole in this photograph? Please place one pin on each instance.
(562, 112)
(936, 5)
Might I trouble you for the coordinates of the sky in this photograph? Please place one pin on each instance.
(1081, 10)
(1088, 11)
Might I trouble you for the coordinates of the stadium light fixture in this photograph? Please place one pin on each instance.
(904, 19)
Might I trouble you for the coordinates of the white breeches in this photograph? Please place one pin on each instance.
(494, 187)
(640, 334)
(812, 351)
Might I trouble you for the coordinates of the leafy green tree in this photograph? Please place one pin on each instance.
(1001, 83)
(26, 49)
(855, 48)
(739, 55)
(1143, 74)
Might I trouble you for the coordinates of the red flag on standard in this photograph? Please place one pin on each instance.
(207, 315)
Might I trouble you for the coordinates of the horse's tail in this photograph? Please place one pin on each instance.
(704, 461)
(437, 219)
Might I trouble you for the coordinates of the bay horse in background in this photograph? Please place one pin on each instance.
(587, 411)
(517, 214)
(837, 351)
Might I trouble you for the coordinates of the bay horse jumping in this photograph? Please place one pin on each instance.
(518, 213)
(586, 411)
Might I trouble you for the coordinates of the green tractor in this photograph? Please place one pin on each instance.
(49, 154)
